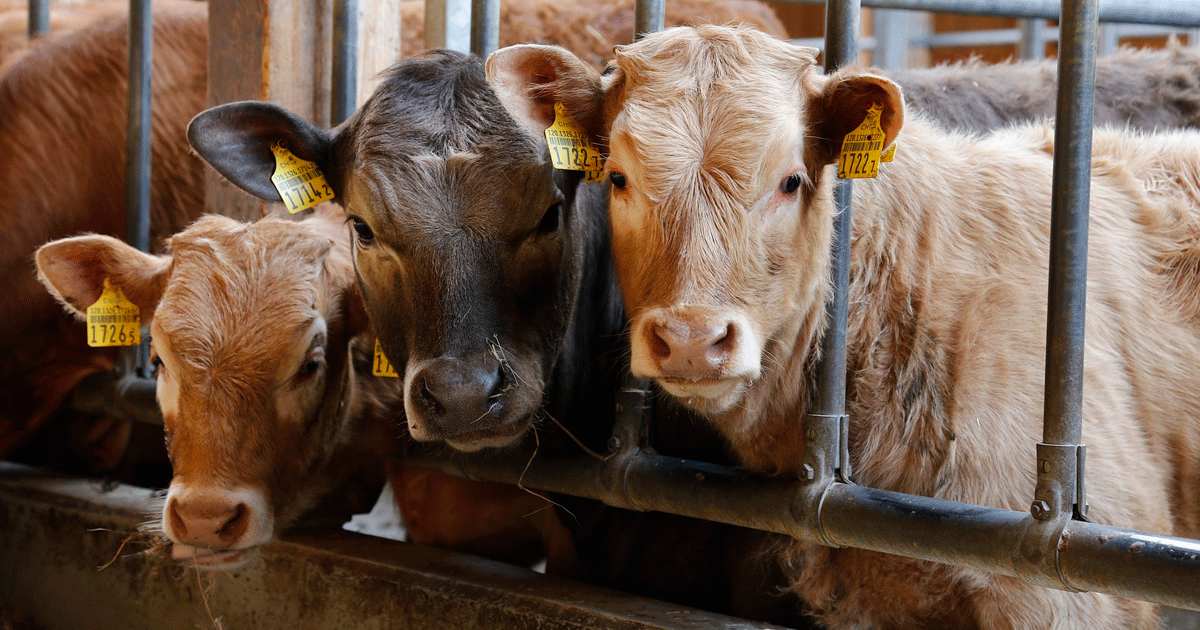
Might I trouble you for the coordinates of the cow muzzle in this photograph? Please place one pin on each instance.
(470, 402)
(696, 352)
(216, 528)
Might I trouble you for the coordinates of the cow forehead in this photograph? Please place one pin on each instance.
(702, 109)
(241, 302)
(482, 193)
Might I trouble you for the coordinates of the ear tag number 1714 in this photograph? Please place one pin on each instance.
(113, 320)
(570, 149)
(300, 183)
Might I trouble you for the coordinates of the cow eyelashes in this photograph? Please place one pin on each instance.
(312, 364)
(365, 235)
(551, 219)
(790, 184)
(157, 364)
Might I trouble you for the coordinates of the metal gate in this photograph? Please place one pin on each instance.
(1052, 545)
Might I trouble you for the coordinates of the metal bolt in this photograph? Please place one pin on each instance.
(1045, 465)
(699, 476)
(807, 472)
(1040, 510)
(620, 408)
(614, 443)
(812, 435)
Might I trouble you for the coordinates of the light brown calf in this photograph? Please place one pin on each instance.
(264, 380)
(720, 144)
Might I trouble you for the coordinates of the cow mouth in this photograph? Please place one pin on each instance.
(707, 388)
(493, 437)
(212, 559)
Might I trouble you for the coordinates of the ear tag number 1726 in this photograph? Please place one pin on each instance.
(570, 149)
(300, 183)
(862, 148)
(113, 320)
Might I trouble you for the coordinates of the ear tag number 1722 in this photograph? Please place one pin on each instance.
(862, 148)
(113, 320)
(570, 149)
(300, 183)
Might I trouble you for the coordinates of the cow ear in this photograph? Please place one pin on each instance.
(842, 105)
(530, 78)
(236, 140)
(74, 269)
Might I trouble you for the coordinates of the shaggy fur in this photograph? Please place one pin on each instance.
(946, 334)
(1142, 88)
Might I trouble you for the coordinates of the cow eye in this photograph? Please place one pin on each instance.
(550, 219)
(157, 363)
(790, 184)
(312, 364)
(617, 179)
(365, 235)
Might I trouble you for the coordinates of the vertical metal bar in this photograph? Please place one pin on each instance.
(448, 24)
(39, 17)
(841, 48)
(485, 27)
(343, 100)
(1110, 38)
(1068, 251)
(1033, 39)
(891, 38)
(137, 165)
(137, 161)
(649, 16)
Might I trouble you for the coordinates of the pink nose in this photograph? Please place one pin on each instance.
(208, 522)
(691, 347)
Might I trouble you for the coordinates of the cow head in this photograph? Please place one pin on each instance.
(468, 245)
(250, 327)
(717, 144)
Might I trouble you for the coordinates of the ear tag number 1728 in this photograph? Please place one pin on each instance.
(113, 320)
(862, 148)
(300, 183)
(570, 149)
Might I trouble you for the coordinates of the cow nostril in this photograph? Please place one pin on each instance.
(177, 522)
(504, 380)
(430, 400)
(660, 348)
(236, 527)
(724, 341)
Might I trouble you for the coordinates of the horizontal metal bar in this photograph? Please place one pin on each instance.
(1185, 13)
(1088, 556)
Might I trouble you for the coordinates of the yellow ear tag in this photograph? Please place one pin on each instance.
(300, 183)
(570, 149)
(381, 366)
(862, 147)
(113, 320)
(889, 155)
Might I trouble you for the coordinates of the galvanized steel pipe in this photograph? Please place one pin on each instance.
(39, 17)
(344, 96)
(137, 161)
(485, 27)
(649, 16)
(1079, 556)
(1185, 13)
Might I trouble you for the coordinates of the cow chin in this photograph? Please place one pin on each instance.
(707, 396)
(496, 437)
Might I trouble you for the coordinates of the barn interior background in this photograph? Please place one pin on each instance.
(69, 555)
